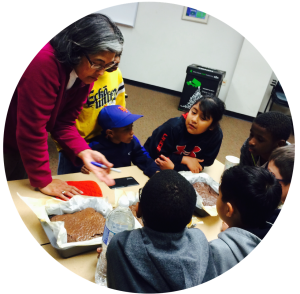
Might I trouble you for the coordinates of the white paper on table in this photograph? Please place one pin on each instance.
(204, 178)
(133, 197)
(43, 208)
(57, 207)
(38, 205)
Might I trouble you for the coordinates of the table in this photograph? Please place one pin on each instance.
(84, 265)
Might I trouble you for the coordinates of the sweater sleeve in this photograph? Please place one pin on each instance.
(210, 145)
(163, 141)
(142, 159)
(212, 149)
(37, 92)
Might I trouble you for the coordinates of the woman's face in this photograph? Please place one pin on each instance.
(86, 73)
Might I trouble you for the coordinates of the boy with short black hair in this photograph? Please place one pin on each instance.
(268, 131)
(164, 255)
(118, 143)
(247, 198)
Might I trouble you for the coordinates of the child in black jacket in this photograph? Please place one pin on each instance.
(191, 141)
(269, 131)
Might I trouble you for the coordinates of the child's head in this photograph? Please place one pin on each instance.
(204, 115)
(248, 196)
(281, 164)
(167, 202)
(269, 131)
(117, 122)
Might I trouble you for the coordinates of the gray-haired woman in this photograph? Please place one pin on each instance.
(49, 97)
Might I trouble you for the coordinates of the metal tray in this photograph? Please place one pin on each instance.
(68, 251)
(200, 212)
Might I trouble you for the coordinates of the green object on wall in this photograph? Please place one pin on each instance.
(200, 14)
(194, 83)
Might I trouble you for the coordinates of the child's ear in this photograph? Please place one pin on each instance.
(212, 126)
(139, 211)
(109, 133)
(229, 209)
(281, 143)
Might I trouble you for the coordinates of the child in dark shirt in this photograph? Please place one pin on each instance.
(164, 255)
(268, 131)
(281, 165)
(248, 196)
(191, 141)
(118, 143)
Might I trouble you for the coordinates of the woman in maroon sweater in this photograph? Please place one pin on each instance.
(49, 97)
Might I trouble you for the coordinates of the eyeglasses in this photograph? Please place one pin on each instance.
(279, 180)
(97, 66)
(283, 181)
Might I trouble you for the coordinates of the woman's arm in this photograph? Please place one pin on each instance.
(36, 97)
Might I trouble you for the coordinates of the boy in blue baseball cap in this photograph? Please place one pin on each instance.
(118, 143)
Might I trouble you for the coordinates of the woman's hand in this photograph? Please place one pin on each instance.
(89, 155)
(192, 163)
(84, 170)
(60, 189)
(164, 162)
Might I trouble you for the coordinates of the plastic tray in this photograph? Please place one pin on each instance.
(68, 251)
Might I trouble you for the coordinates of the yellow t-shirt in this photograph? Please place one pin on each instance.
(108, 90)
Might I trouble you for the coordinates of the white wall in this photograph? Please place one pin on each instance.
(249, 83)
(267, 94)
(159, 48)
(124, 14)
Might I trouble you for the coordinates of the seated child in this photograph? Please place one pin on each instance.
(191, 141)
(247, 198)
(281, 165)
(117, 142)
(164, 255)
(268, 131)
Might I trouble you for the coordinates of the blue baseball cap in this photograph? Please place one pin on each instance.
(116, 116)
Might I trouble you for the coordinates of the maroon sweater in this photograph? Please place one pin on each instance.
(41, 104)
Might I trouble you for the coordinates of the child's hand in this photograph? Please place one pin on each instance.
(164, 162)
(85, 170)
(99, 250)
(192, 163)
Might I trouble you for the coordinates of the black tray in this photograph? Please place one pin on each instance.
(200, 212)
(67, 251)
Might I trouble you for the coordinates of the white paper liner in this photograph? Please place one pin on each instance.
(204, 178)
(133, 197)
(42, 208)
